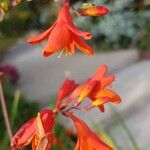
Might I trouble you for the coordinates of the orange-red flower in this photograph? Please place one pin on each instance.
(38, 130)
(65, 90)
(64, 35)
(87, 140)
(96, 89)
(89, 9)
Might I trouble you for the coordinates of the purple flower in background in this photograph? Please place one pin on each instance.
(10, 71)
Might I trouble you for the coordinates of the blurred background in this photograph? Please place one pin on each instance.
(121, 40)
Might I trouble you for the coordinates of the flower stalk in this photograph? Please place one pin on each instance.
(4, 109)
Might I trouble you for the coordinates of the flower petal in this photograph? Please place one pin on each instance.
(75, 94)
(98, 144)
(100, 76)
(25, 134)
(39, 126)
(97, 11)
(75, 30)
(67, 87)
(43, 36)
(65, 14)
(65, 90)
(64, 26)
(46, 142)
(93, 11)
(56, 39)
(101, 108)
(70, 48)
(87, 140)
(100, 101)
(106, 81)
(108, 94)
(35, 142)
(82, 46)
(47, 119)
(100, 72)
(87, 90)
(77, 145)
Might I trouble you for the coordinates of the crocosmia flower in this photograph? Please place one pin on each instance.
(64, 35)
(38, 130)
(88, 9)
(96, 88)
(87, 140)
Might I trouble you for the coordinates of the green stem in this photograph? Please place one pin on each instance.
(15, 106)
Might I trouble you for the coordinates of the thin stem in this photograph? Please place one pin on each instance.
(4, 110)
(126, 129)
(71, 108)
(15, 107)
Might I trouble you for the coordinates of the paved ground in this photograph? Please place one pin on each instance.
(41, 77)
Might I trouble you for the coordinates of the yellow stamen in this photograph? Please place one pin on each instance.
(68, 53)
(98, 102)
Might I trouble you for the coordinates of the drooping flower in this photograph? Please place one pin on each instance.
(88, 9)
(87, 140)
(37, 130)
(96, 89)
(64, 35)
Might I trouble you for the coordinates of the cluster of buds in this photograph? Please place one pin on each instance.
(64, 35)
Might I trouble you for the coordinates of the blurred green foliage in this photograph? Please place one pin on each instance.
(16, 23)
(122, 27)
(144, 41)
(26, 110)
(61, 134)
(18, 20)
(118, 121)
(4, 4)
(6, 42)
